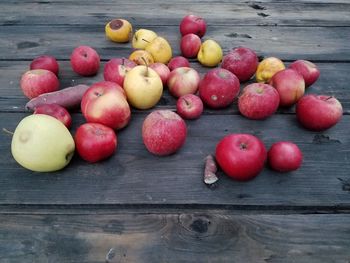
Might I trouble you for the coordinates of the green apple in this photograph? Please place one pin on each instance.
(142, 37)
(41, 143)
(210, 53)
(160, 50)
(143, 87)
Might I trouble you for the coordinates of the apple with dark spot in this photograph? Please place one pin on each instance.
(189, 107)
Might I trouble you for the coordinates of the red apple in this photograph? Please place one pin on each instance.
(45, 62)
(116, 68)
(56, 111)
(258, 101)
(241, 156)
(190, 45)
(38, 81)
(193, 24)
(307, 69)
(189, 106)
(290, 86)
(285, 157)
(162, 70)
(242, 62)
(183, 81)
(105, 102)
(163, 132)
(95, 142)
(85, 61)
(177, 62)
(318, 112)
(218, 88)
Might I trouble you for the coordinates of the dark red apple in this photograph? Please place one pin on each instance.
(193, 24)
(307, 69)
(258, 101)
(95, 142)
(284, 157)
(85, 61)
(189, 106)
(242, 62)
(178, 62)
(290, 86)
(218, 88)
(162, 70)
(45, 62)
(116, 68)
(318, 112)
(163, 132)
(38, 81)
(56, 111)
(241, 156)
(190, 45)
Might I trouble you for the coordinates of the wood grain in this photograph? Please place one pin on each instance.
(179, 237)
(134, 176)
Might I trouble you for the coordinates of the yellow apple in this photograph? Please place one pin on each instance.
(210, 53)
(119, 30)
(142, 37)
(267, 68)
(160, 50)
(140, 56)
(143, 87)
(42, 143)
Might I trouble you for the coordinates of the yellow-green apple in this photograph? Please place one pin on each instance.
(267, 68)
(160, 50)
(163, 132)
(290, 86)
(241, 156)
(162, 70)
(193, 24)
(85, 61)
(190, 45)
(42, 143)
(284, 156)
(183, 81)
(318, 112)
(142, 37)
(116, 68)
(189, 106)
(56, 111)
(95, 141)
(242, 62)
(141, 57)
(177, 62)
(307, 69)
(210, 53)
(38, 81)
(119, 30)
(143, 87)
(258, 101)
(45, 62)
(218, 88)
(105, 102)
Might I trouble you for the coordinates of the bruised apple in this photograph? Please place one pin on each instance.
(163, 132)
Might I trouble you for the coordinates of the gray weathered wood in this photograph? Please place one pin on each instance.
(178, 237)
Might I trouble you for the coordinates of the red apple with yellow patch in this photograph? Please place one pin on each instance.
(116, 69)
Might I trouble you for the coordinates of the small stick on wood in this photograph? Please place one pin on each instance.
(209, 172)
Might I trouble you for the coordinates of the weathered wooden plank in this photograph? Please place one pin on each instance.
(152, 13)
(134, 176)
(288, 43)
(334, 81)
(179, 237)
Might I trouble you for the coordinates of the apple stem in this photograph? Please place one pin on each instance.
(7, 131)
(145, 40)
(186, 101)
(123, 60)
(329, 97)
(144, 60)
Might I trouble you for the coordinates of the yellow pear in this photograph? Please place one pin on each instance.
(210, 53)
(142, 38)
(143, 87)
(160, 50)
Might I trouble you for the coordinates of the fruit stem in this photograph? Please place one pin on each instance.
(123, 61)
(144, 60)
(145, 40)
(186, 101)
(7, 131)
(329, 97)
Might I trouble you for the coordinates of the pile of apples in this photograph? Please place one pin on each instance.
(138, 81)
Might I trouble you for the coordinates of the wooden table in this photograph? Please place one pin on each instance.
(135, 207)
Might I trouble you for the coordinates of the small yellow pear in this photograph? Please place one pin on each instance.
(142, 38)
(160, 50)
(210, 53)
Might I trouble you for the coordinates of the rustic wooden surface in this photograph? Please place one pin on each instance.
(135, 207)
